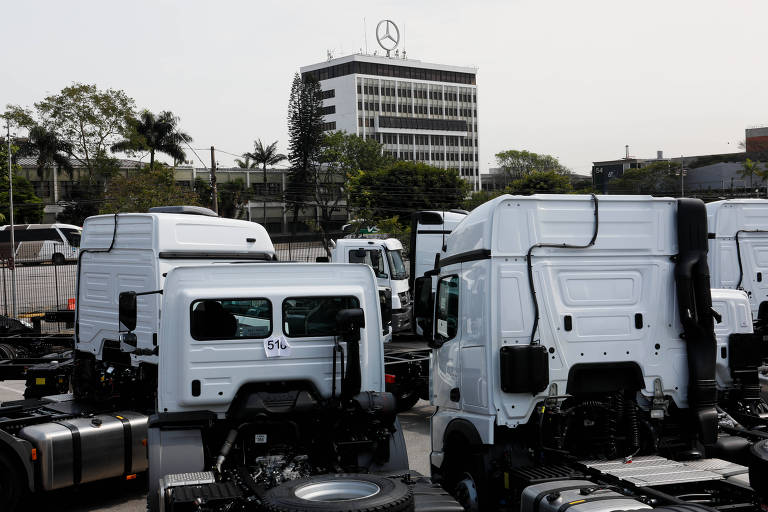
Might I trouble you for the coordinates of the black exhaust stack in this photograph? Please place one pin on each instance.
(695, 307)
(348, 324)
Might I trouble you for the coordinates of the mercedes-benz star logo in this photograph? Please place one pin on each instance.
(385, 36)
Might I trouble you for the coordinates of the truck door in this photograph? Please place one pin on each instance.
(447, 377)
(373, 257)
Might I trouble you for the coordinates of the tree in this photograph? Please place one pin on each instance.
(27, 207)
(144, 189)
(405, 187)
(246, 162)
(48, 148)
(305, 133)
(232, 199)
(749, 169)
(265, 155)
(83, 203)
(480, 197)
(541, 182)
(658, 178)
(516, 164)
(156, 134)
(89, 119)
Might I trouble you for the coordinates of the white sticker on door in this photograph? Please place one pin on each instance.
(277, 346)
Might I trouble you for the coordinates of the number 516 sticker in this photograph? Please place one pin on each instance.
(277, 347)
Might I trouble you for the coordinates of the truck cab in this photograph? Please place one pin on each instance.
(136, 251)
(272, 381)
(385, 257)
(574, 331)
(738, 247)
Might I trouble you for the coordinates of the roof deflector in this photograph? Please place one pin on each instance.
(188, 210)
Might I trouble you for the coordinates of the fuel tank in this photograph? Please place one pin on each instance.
(83, 450)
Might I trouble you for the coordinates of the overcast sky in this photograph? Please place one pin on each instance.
(575, 79)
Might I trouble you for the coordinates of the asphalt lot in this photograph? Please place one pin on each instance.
(129, 496)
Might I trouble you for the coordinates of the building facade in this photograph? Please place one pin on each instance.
(416, 110)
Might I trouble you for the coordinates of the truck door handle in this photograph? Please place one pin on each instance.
(759, 277)
(567, 322)
(638, 320)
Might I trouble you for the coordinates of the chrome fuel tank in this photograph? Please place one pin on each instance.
(83, 450)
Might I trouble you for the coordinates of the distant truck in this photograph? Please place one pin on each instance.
(738, 247)
(385, 257)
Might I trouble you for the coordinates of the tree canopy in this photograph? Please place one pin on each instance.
(518, 163)
(91, 120)
(144, 189)
(658, 178)
(27, 207)
(541, 182)
(404, 187)
(155, 134)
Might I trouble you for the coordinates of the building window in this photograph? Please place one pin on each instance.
(329, 126)
(330, 109)
(330, 93)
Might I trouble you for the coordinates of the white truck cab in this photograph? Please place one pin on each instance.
(738, 247)
(135, 251)
(385, 257)
(563, 322)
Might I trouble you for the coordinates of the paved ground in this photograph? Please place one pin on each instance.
(121, 496)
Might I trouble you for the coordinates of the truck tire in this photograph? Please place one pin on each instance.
(12, 487)
(340, 493)
(405, 400)
(465, 476)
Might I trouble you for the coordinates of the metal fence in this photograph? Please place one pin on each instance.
(303, 247)
(40, 286)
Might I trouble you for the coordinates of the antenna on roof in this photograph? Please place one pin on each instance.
(365, 35)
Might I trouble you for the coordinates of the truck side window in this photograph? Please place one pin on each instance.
(371, 257)
(447, 307)
(219, 319)
(314, 316)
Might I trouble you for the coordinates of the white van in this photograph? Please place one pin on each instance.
(36, 243)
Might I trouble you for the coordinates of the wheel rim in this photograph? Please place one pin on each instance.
(341, 490)
(466, 493)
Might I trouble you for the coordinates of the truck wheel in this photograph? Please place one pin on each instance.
(406, 400)
(341, 493)
(12, 487)
(464, 475)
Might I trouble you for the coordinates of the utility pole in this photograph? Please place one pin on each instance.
(12, 259)
(682, 177)
(213, 181)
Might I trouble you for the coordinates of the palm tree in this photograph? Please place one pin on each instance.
(155, 134)
(246, 164)
(749, 168)
(265, 156)
(50, 150)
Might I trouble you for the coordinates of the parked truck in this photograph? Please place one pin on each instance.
(284, 410)
(582, 362)
(60, 440)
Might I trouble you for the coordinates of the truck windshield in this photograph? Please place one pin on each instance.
(396, 264)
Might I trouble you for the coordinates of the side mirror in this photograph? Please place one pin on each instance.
(127, 309)
(423, 306)
(385, 299)
(349, 322)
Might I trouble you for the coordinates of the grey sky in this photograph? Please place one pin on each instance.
(574, 79)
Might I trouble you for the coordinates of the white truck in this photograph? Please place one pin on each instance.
(738, 247)
(577, 363)
(272, 394)
(385, 257)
